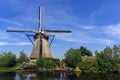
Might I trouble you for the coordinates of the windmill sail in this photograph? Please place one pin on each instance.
(11, 30)
(40, 19)
(58, 31)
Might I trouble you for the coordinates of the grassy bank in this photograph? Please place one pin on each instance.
(9, 69)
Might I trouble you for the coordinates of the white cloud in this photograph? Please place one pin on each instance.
(101, 41)
(82, 38)
(14, 44)
(75, 26)
(24, 43)
(113, 30)
(61, 19)
(3, 43)
(85, 27)
(80, 33)
(92, 17)
(10, 21)
(4, 35)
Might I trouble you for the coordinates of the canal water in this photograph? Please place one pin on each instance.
(34, 75)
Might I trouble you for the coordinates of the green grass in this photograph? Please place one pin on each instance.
(9, 69)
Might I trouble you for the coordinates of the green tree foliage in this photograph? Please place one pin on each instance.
(47, 62)
(116, 53)
(84, 51)
(108, 59)
(56, 62)
(73, 57)
(40, 62)
(90, 66)
(23, 57)
(7, 59)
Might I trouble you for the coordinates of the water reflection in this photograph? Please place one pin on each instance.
(35, 75)
(7, 76)
(31, 75)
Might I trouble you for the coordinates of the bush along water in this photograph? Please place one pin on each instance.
(107, 60)
(48, 63)
(7, 59)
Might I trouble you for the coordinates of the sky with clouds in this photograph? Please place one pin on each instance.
(94, 24)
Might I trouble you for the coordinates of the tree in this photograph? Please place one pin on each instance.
(23, 57)
(40, 62)
(56, 62)
(106, 59)
(47, 62)
(7, 59)
(73, 57)
(84, 51)
(89, 66)
(116, 57)
(116, 53)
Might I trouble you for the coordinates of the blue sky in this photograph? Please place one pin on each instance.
(94, 24)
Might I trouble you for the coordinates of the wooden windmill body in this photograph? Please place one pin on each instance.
(41, 48)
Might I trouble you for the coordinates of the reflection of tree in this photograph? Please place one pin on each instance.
(31, 75)
(78, 73)
(109, 76)
(45, 75)
(59, 75)
(66, 75)
(27, 74)
(34, 75)
(22, 75)
(7, 76)
(95, 76)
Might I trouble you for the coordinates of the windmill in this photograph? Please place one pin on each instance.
(41, 48)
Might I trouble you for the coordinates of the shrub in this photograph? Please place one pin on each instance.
(47, 62)
(7, 59)
(73, 57)
(22, 58)
(90, 66)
